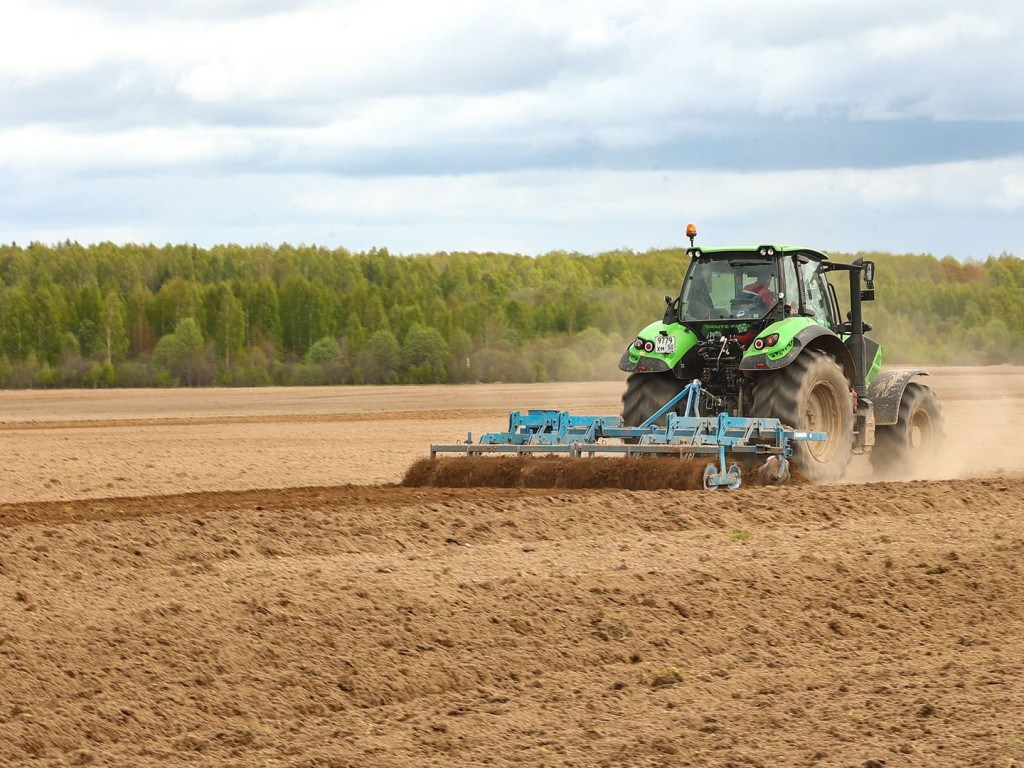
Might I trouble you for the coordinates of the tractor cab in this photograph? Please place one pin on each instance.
(728, 287)
(735, 292)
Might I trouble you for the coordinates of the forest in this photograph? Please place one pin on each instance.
(107, 315)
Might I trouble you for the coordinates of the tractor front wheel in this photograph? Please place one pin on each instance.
(812, 394)
(915, 439)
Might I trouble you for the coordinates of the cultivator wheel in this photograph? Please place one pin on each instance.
(713, 480)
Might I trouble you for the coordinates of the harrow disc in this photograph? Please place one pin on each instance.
(772, 472)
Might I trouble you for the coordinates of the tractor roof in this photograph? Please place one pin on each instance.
(755, 250)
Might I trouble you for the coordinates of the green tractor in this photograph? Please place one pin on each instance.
(761, 328)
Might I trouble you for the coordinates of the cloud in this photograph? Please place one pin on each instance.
(634, 62)
(648, 61)
(207, 10)
(460, 142)
(967, 209)
(618, 105)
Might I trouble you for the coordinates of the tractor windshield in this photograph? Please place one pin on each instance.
(727, 287)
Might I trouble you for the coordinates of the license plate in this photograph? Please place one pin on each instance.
(665, 345)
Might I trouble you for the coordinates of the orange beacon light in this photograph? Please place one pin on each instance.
(691, 232)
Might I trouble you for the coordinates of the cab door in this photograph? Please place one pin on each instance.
(818, 301)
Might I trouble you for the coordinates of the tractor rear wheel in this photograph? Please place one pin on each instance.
(916, 437)
(811, 393)
(646, 393)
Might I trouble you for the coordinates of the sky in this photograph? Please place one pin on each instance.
(526, 126)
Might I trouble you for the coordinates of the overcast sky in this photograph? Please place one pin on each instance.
(525, 125)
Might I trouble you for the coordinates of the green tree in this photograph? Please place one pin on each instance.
(262, 312)
(177, 298)
(182, 352)
(112, 338)
(16, 321)
(381, 359)
(301, 314)
(229, 329)
(88, 309)
(325, 350)
(330, 357)
(424, 354)
(51, 319)
(141, 338)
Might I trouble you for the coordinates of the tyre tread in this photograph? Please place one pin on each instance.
(778, 395)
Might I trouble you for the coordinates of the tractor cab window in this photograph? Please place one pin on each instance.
(726, 289)
(817, 300)
(791, 282)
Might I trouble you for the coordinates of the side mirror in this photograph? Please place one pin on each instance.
(869, 273)
(668, 301)
(868, 294)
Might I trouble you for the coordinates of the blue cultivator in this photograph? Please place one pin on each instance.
(722, 436)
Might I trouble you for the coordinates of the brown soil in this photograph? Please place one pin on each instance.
(231, 578)
(640, 474)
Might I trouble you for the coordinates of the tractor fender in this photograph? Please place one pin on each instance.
(812, 337)
(635, 361)
(886, 392)
(642, 364)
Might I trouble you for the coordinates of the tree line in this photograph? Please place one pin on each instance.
(107, 315)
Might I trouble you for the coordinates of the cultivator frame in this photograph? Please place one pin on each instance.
(686, 436)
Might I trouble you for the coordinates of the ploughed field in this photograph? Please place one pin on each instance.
(233, 578)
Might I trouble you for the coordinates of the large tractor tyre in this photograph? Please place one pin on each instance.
(906, 447)
(646, 393)
(811, 393)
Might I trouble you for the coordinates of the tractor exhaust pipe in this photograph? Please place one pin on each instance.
(856, 342)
